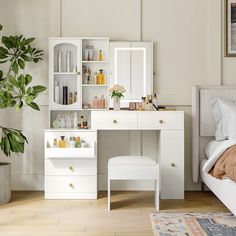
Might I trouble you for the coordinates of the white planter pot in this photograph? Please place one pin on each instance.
(5, 182)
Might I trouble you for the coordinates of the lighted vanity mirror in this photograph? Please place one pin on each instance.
(131, 65)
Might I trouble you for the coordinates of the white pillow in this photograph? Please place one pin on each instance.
(220, 119)
(229, 118)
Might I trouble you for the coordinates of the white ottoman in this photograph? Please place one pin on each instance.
(133, 168)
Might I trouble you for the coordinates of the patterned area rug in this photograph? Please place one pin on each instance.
(197, 224)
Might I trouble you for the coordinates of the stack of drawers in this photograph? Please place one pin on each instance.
(71, 173)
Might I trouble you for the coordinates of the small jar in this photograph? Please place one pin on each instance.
(95, 102)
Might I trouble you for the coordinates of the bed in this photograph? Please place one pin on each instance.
(203, 131)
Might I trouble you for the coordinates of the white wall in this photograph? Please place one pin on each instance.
(187, 51)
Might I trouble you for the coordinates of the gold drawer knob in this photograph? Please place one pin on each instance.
(72, 185)
(172, 164)
(71, 168)
(114, 121)
(161, 121)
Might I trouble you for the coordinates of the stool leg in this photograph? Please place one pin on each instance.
(109, 195)
(157, 197)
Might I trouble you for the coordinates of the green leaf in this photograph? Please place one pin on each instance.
(19, 106)
(34, 106)
(38, 89)
(21, 63)
(0, 27)
(29, 40)
(15, 67)
(28, 79)
(7, 42)
(12, 80)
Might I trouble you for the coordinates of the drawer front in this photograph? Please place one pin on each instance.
(71, 184)
(70, 167)
(114, 120)
(161, 120)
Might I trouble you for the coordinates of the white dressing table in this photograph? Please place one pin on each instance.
(72, 173)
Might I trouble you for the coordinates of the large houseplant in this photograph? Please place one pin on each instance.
(16, 91)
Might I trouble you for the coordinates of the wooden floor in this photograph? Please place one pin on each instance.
(29, 214)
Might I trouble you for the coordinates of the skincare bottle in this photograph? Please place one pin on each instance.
(95, 78)
(101, 78)
(85, 123)
(75, 97)
(62, 142)
(68, 120)
(65, 94)
(55, 143)
(77, 142)
(95, 102)
(143, 103)
(67, 61)
(82, 122)
(70, 97)
(102, 102)
(62, 122)
(59, 61)
(154, 102)
(57, 92)
(72, 142)
(100, 55)
(75, 120)
(83, 144)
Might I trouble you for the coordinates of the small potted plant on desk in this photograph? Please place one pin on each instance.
(15, 91)
(116, 93)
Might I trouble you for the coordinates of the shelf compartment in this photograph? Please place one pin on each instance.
(70, 152)
(94, 85)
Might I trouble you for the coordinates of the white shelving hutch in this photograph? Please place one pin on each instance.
(71, 173)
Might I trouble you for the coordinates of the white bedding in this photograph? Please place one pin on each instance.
(217, 154)
(211, 147)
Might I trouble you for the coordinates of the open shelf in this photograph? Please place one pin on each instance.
(94, 85)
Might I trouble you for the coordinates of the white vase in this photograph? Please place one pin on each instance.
(116, 103)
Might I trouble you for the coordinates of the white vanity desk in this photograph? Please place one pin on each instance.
(75, 175)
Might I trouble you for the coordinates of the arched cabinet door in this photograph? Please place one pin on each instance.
(131, 65)
(65, 74)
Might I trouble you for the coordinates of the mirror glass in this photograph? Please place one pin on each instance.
(130, 68)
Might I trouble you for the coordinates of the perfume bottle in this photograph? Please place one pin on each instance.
(102, 102)
(101, 77)
(75, 120)
(83, 144)
(77, 142)
(95, 102)
(68, 120)
(72, 142)
(85, 123)
(100, 55)
(62, 142)
(55, 144)
(95, 78)
(62, 122)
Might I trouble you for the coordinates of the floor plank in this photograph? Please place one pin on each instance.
(29, 213)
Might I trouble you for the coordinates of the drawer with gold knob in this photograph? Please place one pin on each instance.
(161, 120)
(70, 167)
(67, 184)
(114, 120)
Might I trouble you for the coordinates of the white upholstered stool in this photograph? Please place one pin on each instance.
(133, 168)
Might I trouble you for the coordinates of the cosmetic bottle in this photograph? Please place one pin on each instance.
(143, 103)
(95, 102)
(62, 122)
(72, 142)
(65, 94)
(62, 142)
(67, 61)
(100, 55)
(82, 122)
(101, 77)
(55, 144)
(154, 102)
(95, 78)
(75, 97)
(85, 123)
(68, 120)
(70, 97)
(57, 92)
(77, 142)
(83, 144)
(102, 102)
(75, 120)
(59, 61)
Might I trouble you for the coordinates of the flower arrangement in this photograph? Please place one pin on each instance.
(117, 91)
